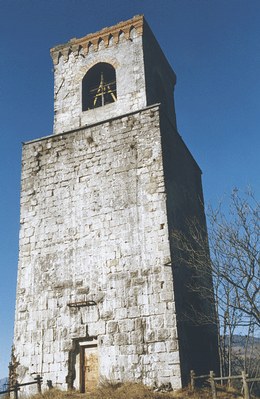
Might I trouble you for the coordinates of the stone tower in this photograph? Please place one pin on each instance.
(98, 295)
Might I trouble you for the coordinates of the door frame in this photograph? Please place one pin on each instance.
(82, 347)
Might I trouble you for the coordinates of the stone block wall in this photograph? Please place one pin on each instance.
(182, 175)
(94, 228)
(122, 47)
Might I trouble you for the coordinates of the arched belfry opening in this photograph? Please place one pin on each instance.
(99, 86)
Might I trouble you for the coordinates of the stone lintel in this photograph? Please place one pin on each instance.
(93, 39)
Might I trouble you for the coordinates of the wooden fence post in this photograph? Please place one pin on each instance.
(192, 380)
(212, 384)
(245, 386)
(16, 389)
(39, 383)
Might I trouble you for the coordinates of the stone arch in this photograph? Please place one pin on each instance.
(99, 86)
(81, 51)
(90, 46)
(132, 32)
(121, 35)
(110, 39)
(60, 55)
(101, 43)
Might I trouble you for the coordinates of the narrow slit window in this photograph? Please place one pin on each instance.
(99, 86)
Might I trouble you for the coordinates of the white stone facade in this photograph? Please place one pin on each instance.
(94, 227)
(126, 56)
(99, 198)
(69, 75)
(122, 46)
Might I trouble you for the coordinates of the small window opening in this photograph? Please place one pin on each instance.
(99, 86)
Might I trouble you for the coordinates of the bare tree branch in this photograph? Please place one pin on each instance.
(229, 255)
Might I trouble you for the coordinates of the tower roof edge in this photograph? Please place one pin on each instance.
(137, 22)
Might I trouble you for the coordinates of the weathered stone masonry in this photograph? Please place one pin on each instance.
(98, 201)
(80, 242)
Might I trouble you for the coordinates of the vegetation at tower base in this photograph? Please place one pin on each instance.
(139, 391)
(234, 264)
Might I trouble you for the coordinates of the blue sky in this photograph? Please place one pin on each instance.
(214, 48)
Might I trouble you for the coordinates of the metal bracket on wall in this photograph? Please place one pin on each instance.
(81, 304)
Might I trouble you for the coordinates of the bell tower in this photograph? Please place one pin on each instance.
(100, 293)
(123, 66)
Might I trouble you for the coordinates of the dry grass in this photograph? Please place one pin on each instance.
(110, 390)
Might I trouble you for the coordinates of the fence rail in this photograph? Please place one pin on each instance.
(212, 380)
(16, 387)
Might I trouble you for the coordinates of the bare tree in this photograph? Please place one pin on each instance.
(229, 255)
(234, 239)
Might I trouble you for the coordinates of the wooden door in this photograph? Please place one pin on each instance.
(90, 370)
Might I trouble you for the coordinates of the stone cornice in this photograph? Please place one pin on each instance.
(106, 35)
(153, 108)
